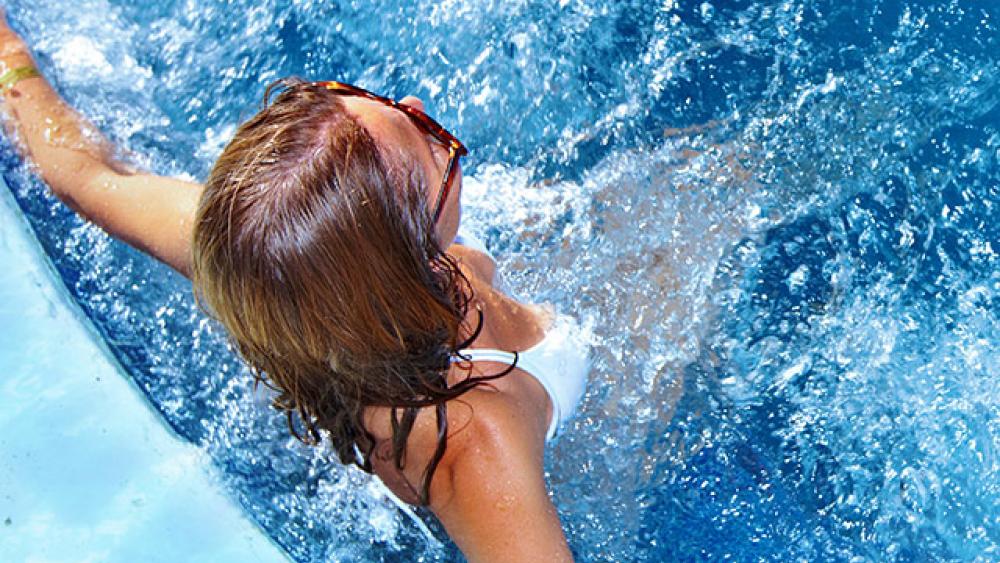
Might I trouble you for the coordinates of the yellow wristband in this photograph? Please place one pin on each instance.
(15, 75)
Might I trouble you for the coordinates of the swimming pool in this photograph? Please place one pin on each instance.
(795, 304)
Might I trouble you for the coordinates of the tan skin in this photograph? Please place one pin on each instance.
(489, 490)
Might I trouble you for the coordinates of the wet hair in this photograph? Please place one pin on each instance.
(321, 260)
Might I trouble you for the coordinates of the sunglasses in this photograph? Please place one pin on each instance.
(425, 123)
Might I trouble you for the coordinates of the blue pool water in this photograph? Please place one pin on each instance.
(796, 304)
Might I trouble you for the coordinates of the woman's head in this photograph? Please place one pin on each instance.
(315, 246)
(382, 118)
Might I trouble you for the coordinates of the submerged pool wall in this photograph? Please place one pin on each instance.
(88, 472)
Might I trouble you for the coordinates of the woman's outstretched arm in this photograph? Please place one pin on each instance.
(153, 213)
(490, 491)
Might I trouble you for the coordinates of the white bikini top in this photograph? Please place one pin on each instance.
(560, 362)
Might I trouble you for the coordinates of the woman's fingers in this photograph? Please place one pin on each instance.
(11, 44)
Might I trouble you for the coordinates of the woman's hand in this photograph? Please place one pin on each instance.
(5, 29)
(14, 51)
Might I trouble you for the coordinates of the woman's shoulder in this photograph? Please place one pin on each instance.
(467, 238)
(482, 411)
(481, 423)
(472, 252)
(484, 426)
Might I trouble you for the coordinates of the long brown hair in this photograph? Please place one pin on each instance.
(321, 260)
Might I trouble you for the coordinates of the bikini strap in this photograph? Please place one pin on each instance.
(485, 355)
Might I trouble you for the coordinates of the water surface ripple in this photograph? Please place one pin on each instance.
(781, 220)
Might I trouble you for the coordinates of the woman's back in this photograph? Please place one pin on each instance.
(507, 325)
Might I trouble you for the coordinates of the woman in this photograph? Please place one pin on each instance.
(326, 241)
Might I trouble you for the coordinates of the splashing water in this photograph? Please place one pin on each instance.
(780, 218)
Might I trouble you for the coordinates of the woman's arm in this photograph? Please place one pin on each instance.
(153, 213)
(490, 494)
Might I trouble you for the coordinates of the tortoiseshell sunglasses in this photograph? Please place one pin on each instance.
(423, 121)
